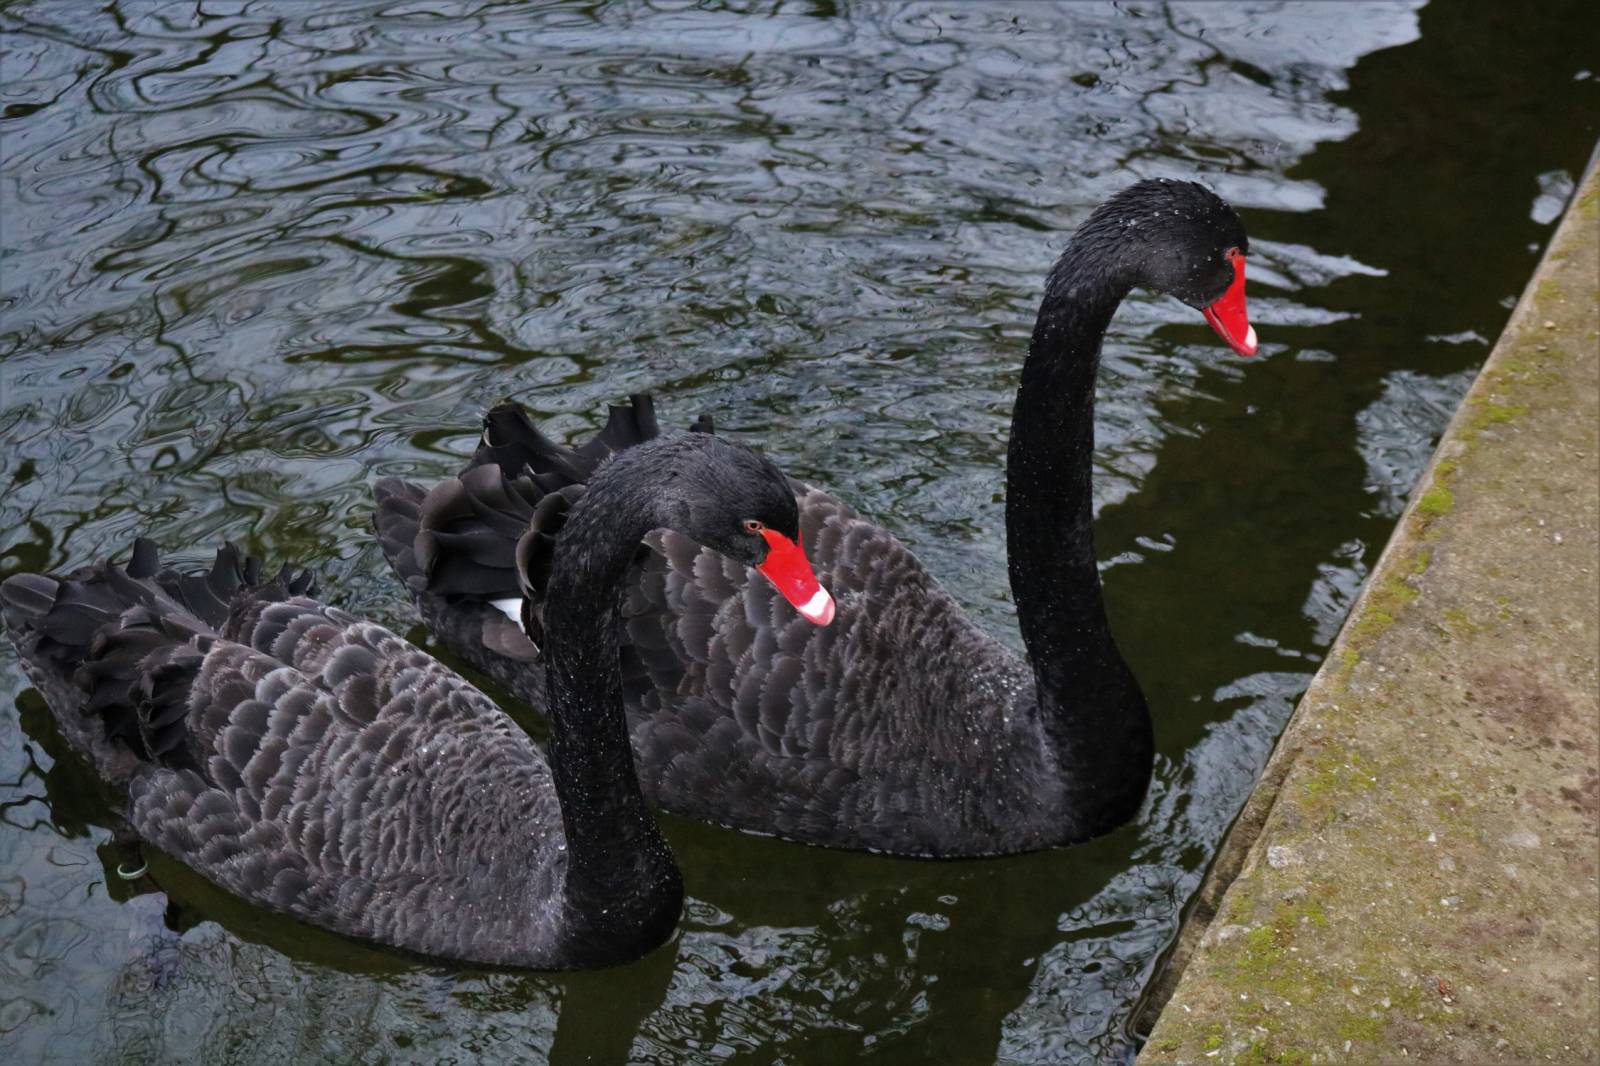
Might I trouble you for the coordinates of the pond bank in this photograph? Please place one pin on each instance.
(1414, 877)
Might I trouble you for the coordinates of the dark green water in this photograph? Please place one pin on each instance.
(256, 256)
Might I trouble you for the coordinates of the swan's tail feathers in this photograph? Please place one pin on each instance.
(120, 642)
(397, 520)
(65, 616)
(481, 537)
(488, 535)
(513, 443)
(467, 529)
(234, 577)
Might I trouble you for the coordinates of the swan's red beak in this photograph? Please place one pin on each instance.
(1227, 316)
(789, 571)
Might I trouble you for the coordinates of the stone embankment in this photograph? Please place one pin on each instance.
(1414, 878)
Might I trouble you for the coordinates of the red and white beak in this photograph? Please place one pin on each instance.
(790, 572)
(1227, 316)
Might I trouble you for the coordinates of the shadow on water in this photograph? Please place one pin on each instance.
(256, 257)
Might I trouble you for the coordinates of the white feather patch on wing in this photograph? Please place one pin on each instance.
(511, 607)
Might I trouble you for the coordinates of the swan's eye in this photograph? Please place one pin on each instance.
(1231, 254)
(752, 526)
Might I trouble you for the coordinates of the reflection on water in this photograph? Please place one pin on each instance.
(257, 255)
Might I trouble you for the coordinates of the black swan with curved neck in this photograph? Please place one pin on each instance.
(902, 727)
(317, 765)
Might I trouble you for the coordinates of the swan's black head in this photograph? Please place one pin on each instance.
(1179, 238)
(732, 499)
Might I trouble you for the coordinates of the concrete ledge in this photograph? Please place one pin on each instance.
(1414, 878)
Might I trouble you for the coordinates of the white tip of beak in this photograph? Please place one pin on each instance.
(1250, 339)
(819, 608)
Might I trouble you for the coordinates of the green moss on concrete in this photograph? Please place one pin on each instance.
(1589, 204)
(1495, 414)
(1459, 623)
(1272, 969)
(1382, 606)
(1365, 1028)
(1324, 772)
(1335, 771)
(1261, 1052)
(1436, 501)
(1276, 966)
(1545, 371)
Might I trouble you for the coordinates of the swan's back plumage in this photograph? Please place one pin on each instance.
(900, 727)
(311, 762)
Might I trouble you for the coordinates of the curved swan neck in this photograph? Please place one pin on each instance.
(1090, 701)
(1049, 485)
(615, 853)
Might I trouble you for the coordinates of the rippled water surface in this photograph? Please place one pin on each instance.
(257, 255)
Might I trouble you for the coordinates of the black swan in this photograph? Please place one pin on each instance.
(903, 727)
(317, 765)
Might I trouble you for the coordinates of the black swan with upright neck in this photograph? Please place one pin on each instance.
(902, 727)
(317, 765)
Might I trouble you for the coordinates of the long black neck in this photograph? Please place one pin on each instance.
(1089, 700)
(621, 881)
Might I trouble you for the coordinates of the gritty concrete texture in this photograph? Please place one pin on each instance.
(1415, 877)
